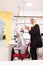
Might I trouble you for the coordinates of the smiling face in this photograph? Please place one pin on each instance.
(32, 21)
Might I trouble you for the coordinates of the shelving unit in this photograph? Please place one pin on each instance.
(29, 16)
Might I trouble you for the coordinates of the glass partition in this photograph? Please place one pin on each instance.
(2, 29)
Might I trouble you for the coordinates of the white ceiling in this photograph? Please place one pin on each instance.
(37, 4)
(12, 5)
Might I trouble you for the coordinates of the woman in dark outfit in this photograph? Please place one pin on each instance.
(36, 41)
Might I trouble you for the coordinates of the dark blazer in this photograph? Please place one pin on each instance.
(36, 40)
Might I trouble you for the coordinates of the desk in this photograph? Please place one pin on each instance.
(11, 44)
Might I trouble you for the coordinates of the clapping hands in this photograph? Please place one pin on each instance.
(27, 27)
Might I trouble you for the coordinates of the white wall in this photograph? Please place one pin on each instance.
(32, 13)
(9, 5)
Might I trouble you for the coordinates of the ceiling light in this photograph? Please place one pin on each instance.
(29, 4)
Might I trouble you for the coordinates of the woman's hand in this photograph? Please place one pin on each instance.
(27, 27)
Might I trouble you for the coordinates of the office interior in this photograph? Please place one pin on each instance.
(16, 14)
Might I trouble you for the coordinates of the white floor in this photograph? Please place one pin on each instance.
(4, 52)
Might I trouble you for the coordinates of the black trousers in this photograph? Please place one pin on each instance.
(33, 49)
(33, 52)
